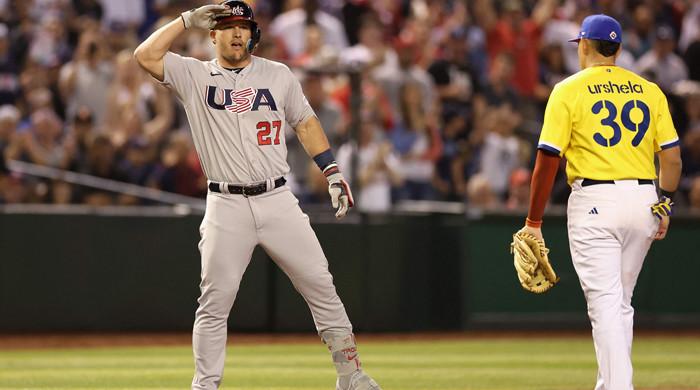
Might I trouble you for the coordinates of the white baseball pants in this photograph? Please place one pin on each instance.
(610, 230)
(232, 226)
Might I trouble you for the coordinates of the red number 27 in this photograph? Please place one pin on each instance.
(264, 130)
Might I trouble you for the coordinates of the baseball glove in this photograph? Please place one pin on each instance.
(530, 257)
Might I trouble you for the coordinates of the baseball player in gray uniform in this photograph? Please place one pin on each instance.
(239, 107)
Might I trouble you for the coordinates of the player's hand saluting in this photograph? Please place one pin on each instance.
(203, 17)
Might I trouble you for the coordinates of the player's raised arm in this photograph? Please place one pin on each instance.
(150, 53)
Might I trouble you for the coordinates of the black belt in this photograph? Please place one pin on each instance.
(251, 190)
(591, 182)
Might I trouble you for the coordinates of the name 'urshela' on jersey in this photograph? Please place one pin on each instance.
(611, 87)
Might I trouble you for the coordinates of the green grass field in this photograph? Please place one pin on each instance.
(536, 363)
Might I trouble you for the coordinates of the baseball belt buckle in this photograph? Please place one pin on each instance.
(253, 190)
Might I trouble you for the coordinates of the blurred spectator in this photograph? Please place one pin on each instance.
(49, 46)
(519, 189)
(500, 151)
(372, 50)
(131, 99)
(129, 14)
(552, 70)
(84, 80)
(101, 162)
(9, 70)
(516, 33)
(137, 166)
(418, 146)
(661, 65)
(82, 130)
(9, 118)
(179, 172)
(317, 53)
(290, 27)
(377, 169)
(480, 194)
(639, 38)
(690, 32)
(694, 196)
(407, 51)
(453, 76)
(44, 143)
(451, 166)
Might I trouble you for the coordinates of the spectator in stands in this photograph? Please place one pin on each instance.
(694, 196)
(9, 69)
(44, 142)
(133, 96)
(178, 171)
(552, 70)
(137, 166)
(417, 144)
(9, 119)
(515, 33)
(82, 130)
(84, 80)
(377, 169)
(639, 38)
(49, 46)
(480, 194)
(519, 189)
(500, 149)
(453, 75)
(452, 165)
(317, 53)
(661, 65)
(101, 162)
(290, 26)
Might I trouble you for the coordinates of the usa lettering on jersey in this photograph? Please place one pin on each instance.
(244, 100)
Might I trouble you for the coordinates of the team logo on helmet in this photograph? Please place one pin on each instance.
(613, 35)
(237, 11)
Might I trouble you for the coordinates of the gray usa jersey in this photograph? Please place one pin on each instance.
(238, 120)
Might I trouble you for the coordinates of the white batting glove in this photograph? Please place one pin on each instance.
(341, 196)
(203, 17)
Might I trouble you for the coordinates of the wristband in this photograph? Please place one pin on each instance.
(326, 163)
(533, 224)
(668, 194)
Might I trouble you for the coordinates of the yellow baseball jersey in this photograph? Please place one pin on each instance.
(608, 122)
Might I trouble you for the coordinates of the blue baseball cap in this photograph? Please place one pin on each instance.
(600, 27)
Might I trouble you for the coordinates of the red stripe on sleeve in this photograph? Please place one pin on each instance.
(546, 166)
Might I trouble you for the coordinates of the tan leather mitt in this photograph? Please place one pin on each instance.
(530, 257)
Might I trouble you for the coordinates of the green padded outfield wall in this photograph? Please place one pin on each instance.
(97, 272)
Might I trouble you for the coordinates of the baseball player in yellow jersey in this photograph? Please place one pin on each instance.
(608, 122)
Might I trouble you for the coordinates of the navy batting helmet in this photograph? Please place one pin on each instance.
(240, 10)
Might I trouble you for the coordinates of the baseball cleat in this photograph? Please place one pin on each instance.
(358, 380)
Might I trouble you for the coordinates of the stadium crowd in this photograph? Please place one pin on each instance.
(453, 92)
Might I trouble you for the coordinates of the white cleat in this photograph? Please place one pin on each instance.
(358, 380)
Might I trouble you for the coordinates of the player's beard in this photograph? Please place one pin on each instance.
(237, 57)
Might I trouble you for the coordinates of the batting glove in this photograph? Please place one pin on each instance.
(203, 17)
(341, 196)
(662, 208)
